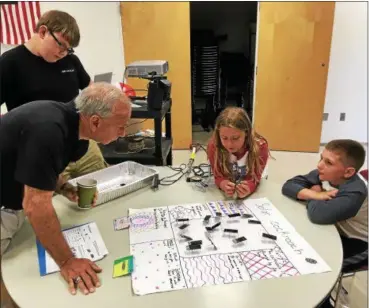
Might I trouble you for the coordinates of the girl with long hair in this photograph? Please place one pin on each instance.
(237, 154)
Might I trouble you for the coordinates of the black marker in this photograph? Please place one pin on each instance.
(231, 230)
(207, 218)
(272, 237)
(183, 226)
(310, 260)
(193, 247)
(196, 243)
(254, 222)
(239, 240)
(246, 216)
(182, 219)
(209, 229)
(215, 226)
(234, 215)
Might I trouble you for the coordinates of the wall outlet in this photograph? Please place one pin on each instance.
(325, 116)
(342, 116)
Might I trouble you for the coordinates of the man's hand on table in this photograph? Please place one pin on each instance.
(81, 274)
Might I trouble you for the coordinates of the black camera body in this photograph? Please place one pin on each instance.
(159, 90)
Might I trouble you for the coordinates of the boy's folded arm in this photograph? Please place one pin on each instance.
(293, 186)
(343, 206)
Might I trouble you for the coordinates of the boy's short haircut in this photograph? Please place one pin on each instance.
(58, 21)
(352, 151)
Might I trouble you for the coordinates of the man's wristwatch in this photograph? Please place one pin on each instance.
(64, 187)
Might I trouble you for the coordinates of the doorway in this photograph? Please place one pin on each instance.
(223, 40)
(293, 47)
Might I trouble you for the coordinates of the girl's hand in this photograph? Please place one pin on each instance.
(228, 187)
(242, 189)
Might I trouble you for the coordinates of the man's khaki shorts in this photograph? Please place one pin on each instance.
(92, 161)
(11, 222)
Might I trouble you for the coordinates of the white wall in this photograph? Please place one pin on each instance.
(101, 46)
(347, 76)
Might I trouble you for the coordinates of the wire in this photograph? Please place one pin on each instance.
(134, 123)
(181, 171)
(134, 152)
(198, 171)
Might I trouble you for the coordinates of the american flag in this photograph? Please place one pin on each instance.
(18, 21)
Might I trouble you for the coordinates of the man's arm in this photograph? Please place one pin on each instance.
(39, 164)
(41, 214)
(60, 184)
(68, 190)
(344, 206)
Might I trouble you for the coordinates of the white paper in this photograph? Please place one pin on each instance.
(85, 241)
(162, 262)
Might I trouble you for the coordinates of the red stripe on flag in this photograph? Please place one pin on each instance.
(15, 35)
(7, 30)
(2, 26)
(19, 23)
(25, 19)
(38, 10)
(32, 16)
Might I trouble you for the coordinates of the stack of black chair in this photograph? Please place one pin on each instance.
(205, 58)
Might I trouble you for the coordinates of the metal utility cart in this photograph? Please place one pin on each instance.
(158, 149)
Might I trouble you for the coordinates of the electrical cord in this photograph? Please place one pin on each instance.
(181, 171)
(134, 152)
(138, 122)
(136, 144)
(199, 172)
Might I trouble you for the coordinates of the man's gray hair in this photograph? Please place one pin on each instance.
(99, 99)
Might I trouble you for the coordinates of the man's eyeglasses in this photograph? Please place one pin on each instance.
(62, 47)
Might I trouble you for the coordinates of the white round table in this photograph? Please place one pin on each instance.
(21, 272)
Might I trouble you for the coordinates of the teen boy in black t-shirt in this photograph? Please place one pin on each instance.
(45, 68)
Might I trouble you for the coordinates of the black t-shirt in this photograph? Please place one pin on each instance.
(37, 142)
(25, 77)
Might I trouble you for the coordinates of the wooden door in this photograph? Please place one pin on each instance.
(161, 31)
(294, 40)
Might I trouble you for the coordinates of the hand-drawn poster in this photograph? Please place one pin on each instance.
(195, 245)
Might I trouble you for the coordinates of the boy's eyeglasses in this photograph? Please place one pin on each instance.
(62, 47)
